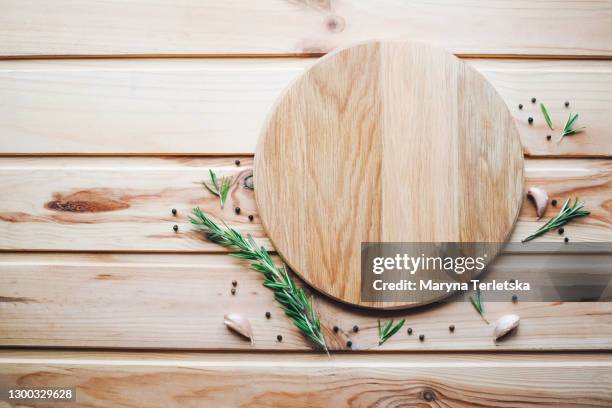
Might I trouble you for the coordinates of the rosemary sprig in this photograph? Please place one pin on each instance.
(546, 116)
(293, 300)
(569, 129)
(477, 303)
(216, 189)
(566, 213)
(386, 332)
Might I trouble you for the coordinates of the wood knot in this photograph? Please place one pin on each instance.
(84, 202)
(11, 299)
(335, 24)
(248, 182)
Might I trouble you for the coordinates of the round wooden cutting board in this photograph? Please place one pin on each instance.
(385, 142)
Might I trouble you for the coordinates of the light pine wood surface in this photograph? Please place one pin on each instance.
(385, 142)
(276, 27)
(218, 106)
(164, 301)
(277, 380)
(71, 278)
(124, 204)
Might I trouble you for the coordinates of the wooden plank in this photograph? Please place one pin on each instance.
(587, 86)
(275, 27)
(289, 380)
(217, 106)
(157, 301)
(124, 204)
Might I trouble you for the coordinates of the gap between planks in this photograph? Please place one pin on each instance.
(43, 57)
(244, 359)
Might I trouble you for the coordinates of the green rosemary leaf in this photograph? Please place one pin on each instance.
(546, 116)
(257, 267)
(567, 213)
(211, 190)
(569, 129)
(388, 331)
(395, 329)
(570, 121)
(242, 256)
(477, 303)
(295, 316)
(274, 285)
(294, 301)
(213, 178)
(574, 131)
(219, 191)
(225, 187)
(387, 327)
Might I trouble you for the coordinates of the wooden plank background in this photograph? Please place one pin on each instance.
(275, 380)
(276, 27)
(160, 301)
(215, 106)
(124, 204)
(111, 113)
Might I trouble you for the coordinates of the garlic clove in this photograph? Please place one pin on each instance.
(239, 324)
(505, 325)
(540, 198)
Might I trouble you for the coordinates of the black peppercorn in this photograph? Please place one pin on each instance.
(233, 291)
(561, 231)
(566, 104)
(349, 344)
(554, 203)
(268, 314)
(530, 120)
(336, 328)
(234, 283)
(355, 329)
(175, 228)
(566, 239)
(428, 396)
(514, 298)
(421, 337)
(533, 100)
(279, 338)
(237, 162)
(548, 137)
(520, 106)
(174, 211)
(410, 331)
(237, 210)
(251, 217)
(451, 328)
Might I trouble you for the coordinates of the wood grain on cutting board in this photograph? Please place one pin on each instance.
(385, 142)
